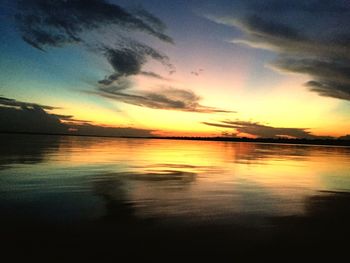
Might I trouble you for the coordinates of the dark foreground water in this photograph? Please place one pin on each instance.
(105, 198)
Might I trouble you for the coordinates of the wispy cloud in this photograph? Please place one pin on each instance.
(24, 105)
(98, 26)
(45, 24)
(153, 75)
(310, 37)
(260, 130)
(55, 23)
(197, 72)
(166, 98)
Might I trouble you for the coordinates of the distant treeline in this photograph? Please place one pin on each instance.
(339, 142)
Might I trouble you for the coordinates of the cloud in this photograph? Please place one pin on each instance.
(90, 129)
(166, 98)
(127, 60)
(19, 116)
(310, 37)
(331, 77)
(197, 72)
(153, 75)
(44, 23)
(261, 130)
(55, 23)
(15, 103)
(149, 19)
(98, 26)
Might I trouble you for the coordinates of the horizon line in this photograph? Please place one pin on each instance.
(306, 141)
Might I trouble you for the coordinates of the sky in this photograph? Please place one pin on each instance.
(176, 68)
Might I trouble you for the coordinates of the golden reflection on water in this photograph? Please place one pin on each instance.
(192, 180)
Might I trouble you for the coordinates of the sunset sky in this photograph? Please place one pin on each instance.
(176, 68)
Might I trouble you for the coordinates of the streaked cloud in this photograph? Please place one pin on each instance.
(166, 98)
(260, 130)
(24, 105)
(153, 75)
(45, 23)
(309, 37)
(103, 28)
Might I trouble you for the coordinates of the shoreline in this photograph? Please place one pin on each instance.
(315, 142)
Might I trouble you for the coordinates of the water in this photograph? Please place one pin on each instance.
(72, 178)
(170, 183)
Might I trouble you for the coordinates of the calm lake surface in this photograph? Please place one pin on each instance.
(75, 180)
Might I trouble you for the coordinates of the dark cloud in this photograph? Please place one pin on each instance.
(261, 130)
(128, 61)
(331, 77)
(149, 19)
(125, 62)
(108, 80)
(329, 69)
(15, 103)
(320, 7)
(18, 116)
(28, 117)
(310, 37)
(265, 28)
(55, 23)
(167, 98)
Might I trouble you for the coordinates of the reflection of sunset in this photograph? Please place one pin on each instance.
(192, 179)
(198, 178)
